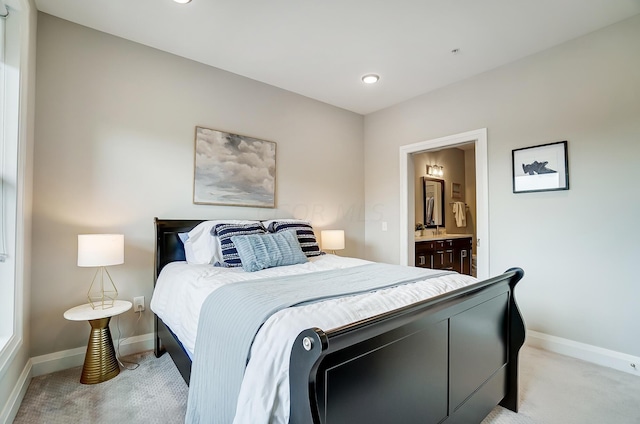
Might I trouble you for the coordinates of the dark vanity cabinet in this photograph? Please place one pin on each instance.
(447, 253)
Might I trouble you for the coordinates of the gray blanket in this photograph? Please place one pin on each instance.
(232, 315)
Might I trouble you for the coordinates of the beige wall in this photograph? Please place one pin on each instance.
(114, 147)
(579, 248)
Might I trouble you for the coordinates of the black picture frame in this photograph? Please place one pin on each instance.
(540, 168)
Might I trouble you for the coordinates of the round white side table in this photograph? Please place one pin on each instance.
(100, 363)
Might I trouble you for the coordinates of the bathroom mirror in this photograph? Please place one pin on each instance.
(433, 198)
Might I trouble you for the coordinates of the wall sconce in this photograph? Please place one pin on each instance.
(435, 171)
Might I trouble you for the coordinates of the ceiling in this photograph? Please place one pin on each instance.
(322, 48)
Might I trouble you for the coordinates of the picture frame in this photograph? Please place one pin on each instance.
(540, 168)
(233, 170)
(456, 191)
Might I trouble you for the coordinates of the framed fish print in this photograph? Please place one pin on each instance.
(540, 168)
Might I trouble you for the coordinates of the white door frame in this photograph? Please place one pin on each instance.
(407, 202)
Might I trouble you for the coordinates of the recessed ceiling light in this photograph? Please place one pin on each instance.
(370, 78)
(182, 1)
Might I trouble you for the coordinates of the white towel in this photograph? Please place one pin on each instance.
(459, 212)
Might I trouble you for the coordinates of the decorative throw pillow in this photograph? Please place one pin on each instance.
(261, 251)
(304, 232)
(224, 232)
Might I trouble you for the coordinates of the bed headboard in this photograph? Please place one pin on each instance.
(169, 248)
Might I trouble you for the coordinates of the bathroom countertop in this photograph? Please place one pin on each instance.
(443, 237)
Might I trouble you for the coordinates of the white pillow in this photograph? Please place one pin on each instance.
(188, 249)
(202, 246)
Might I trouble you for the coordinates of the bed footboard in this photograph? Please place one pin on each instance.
(450, 359)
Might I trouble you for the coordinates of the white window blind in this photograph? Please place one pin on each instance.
(6, 286)
(4, 13)
(7, 180)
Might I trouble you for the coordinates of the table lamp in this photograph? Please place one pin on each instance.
(332, 240)
(101, 250)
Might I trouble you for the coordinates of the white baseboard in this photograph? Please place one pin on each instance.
(597, 355)
(58, 361)
(10, 408)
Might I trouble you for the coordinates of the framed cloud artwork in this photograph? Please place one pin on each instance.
(541, 168)
(234, 170)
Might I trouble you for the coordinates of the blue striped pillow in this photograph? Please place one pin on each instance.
(261, 251)
(304, 231)
(224, 232)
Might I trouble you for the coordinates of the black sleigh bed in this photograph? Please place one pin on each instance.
(448, 359)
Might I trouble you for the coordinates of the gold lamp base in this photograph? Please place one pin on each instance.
(100, 363)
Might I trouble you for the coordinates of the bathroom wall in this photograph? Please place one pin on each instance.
(469, 190)
(455, 169)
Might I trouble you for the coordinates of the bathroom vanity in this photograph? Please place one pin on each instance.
(451, 251)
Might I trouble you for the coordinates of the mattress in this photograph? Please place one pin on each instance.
(182, 288)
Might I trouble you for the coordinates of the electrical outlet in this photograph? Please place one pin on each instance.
(138, 304)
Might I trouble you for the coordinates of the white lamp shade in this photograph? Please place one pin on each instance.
(100, 249)
(332, 239)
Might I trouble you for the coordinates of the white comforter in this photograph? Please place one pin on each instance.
(264, 397)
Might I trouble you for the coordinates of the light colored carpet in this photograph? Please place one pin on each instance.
(554, 389)
(153, 393)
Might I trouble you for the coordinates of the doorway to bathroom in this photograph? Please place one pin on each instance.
(460, 162)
